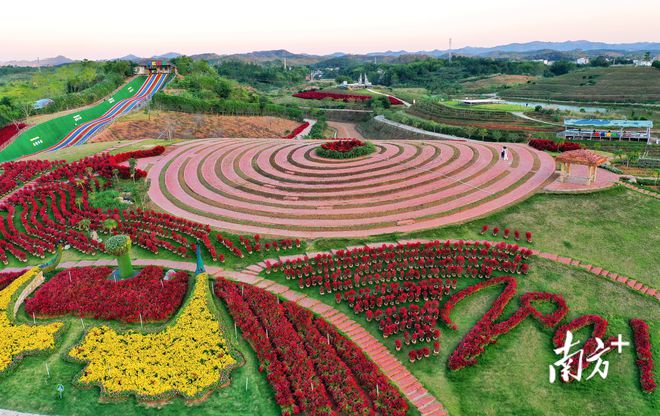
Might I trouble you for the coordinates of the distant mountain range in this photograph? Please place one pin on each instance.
(58, 60)
(529, 50)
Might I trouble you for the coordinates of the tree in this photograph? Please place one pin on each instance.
(132, 165)
(482, 133)
(656, 64)
(120, 247)
(471, 131)
(647, 56)
(561, 67)
(497, 135)
(600, 61)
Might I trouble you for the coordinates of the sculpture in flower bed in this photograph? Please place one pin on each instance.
(19, 340)
(120, 247)
(89, 292)
(312, 368)
(400, 286)
(189, 358)
(345, 149)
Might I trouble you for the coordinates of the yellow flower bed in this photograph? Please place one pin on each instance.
(17, 340)
(188, 357)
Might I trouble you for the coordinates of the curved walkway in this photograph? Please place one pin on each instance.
(640, 190)
(282, 188)
(345, 130)
(407, 104)
(391, 367)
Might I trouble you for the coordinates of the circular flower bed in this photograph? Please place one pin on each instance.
(345, 149)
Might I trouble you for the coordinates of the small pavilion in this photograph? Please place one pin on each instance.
(579, 157)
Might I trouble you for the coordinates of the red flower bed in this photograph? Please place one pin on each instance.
(320, 95)
(15, 174)
(7, 277)
(138, 154)
(297, 130)
(486, 330)
(400, 286)
(566, 146)
(88, 292)
(551, 146)
(590, 345)
(312, 368)
(394, 100)
(544, 144)
(52, 208)
(343, 145)
(9, 131)
(644, 360)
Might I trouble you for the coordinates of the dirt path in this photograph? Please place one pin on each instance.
(345, 130)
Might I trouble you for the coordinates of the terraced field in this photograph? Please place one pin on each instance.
(277, 187)
(619, 84)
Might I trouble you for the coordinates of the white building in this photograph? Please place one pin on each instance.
(641, 62)
(582, 61)
(363, 82)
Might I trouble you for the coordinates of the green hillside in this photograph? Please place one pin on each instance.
(44, 135)
(613, 84)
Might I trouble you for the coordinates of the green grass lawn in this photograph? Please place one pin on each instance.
(511, 377)
(52, 131)
(488, 107)
(45, 83)
(615, 229)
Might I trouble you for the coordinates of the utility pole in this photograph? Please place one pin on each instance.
(449, 49)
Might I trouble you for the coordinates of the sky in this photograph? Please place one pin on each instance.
(109, 29)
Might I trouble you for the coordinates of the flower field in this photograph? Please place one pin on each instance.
(57, 208)
(189, 357)
(9, 131)
(312, 368)
(322, 95)
(17, 341)
(400, 286)
(89, 292)
(7, 277)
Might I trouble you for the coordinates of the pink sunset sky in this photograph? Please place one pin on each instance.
(109, 29)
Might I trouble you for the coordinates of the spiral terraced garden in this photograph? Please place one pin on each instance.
(283, 188)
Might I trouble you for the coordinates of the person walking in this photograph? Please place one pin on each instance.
(504, 154)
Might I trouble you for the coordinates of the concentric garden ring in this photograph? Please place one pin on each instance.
(282, 188)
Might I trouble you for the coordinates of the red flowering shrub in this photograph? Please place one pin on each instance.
(345, 149)
(567, 146)
(138, 154)
(394, 100)
(590, 345)
(9, 131)
(644, 360)
(89, 292)
(343, 145)
(321, 95)
(297, 130)
(7, 277)
(15, 174)
(399, 287)
(313, 369)
(486, 330)
(544, 144)
(484, 228)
